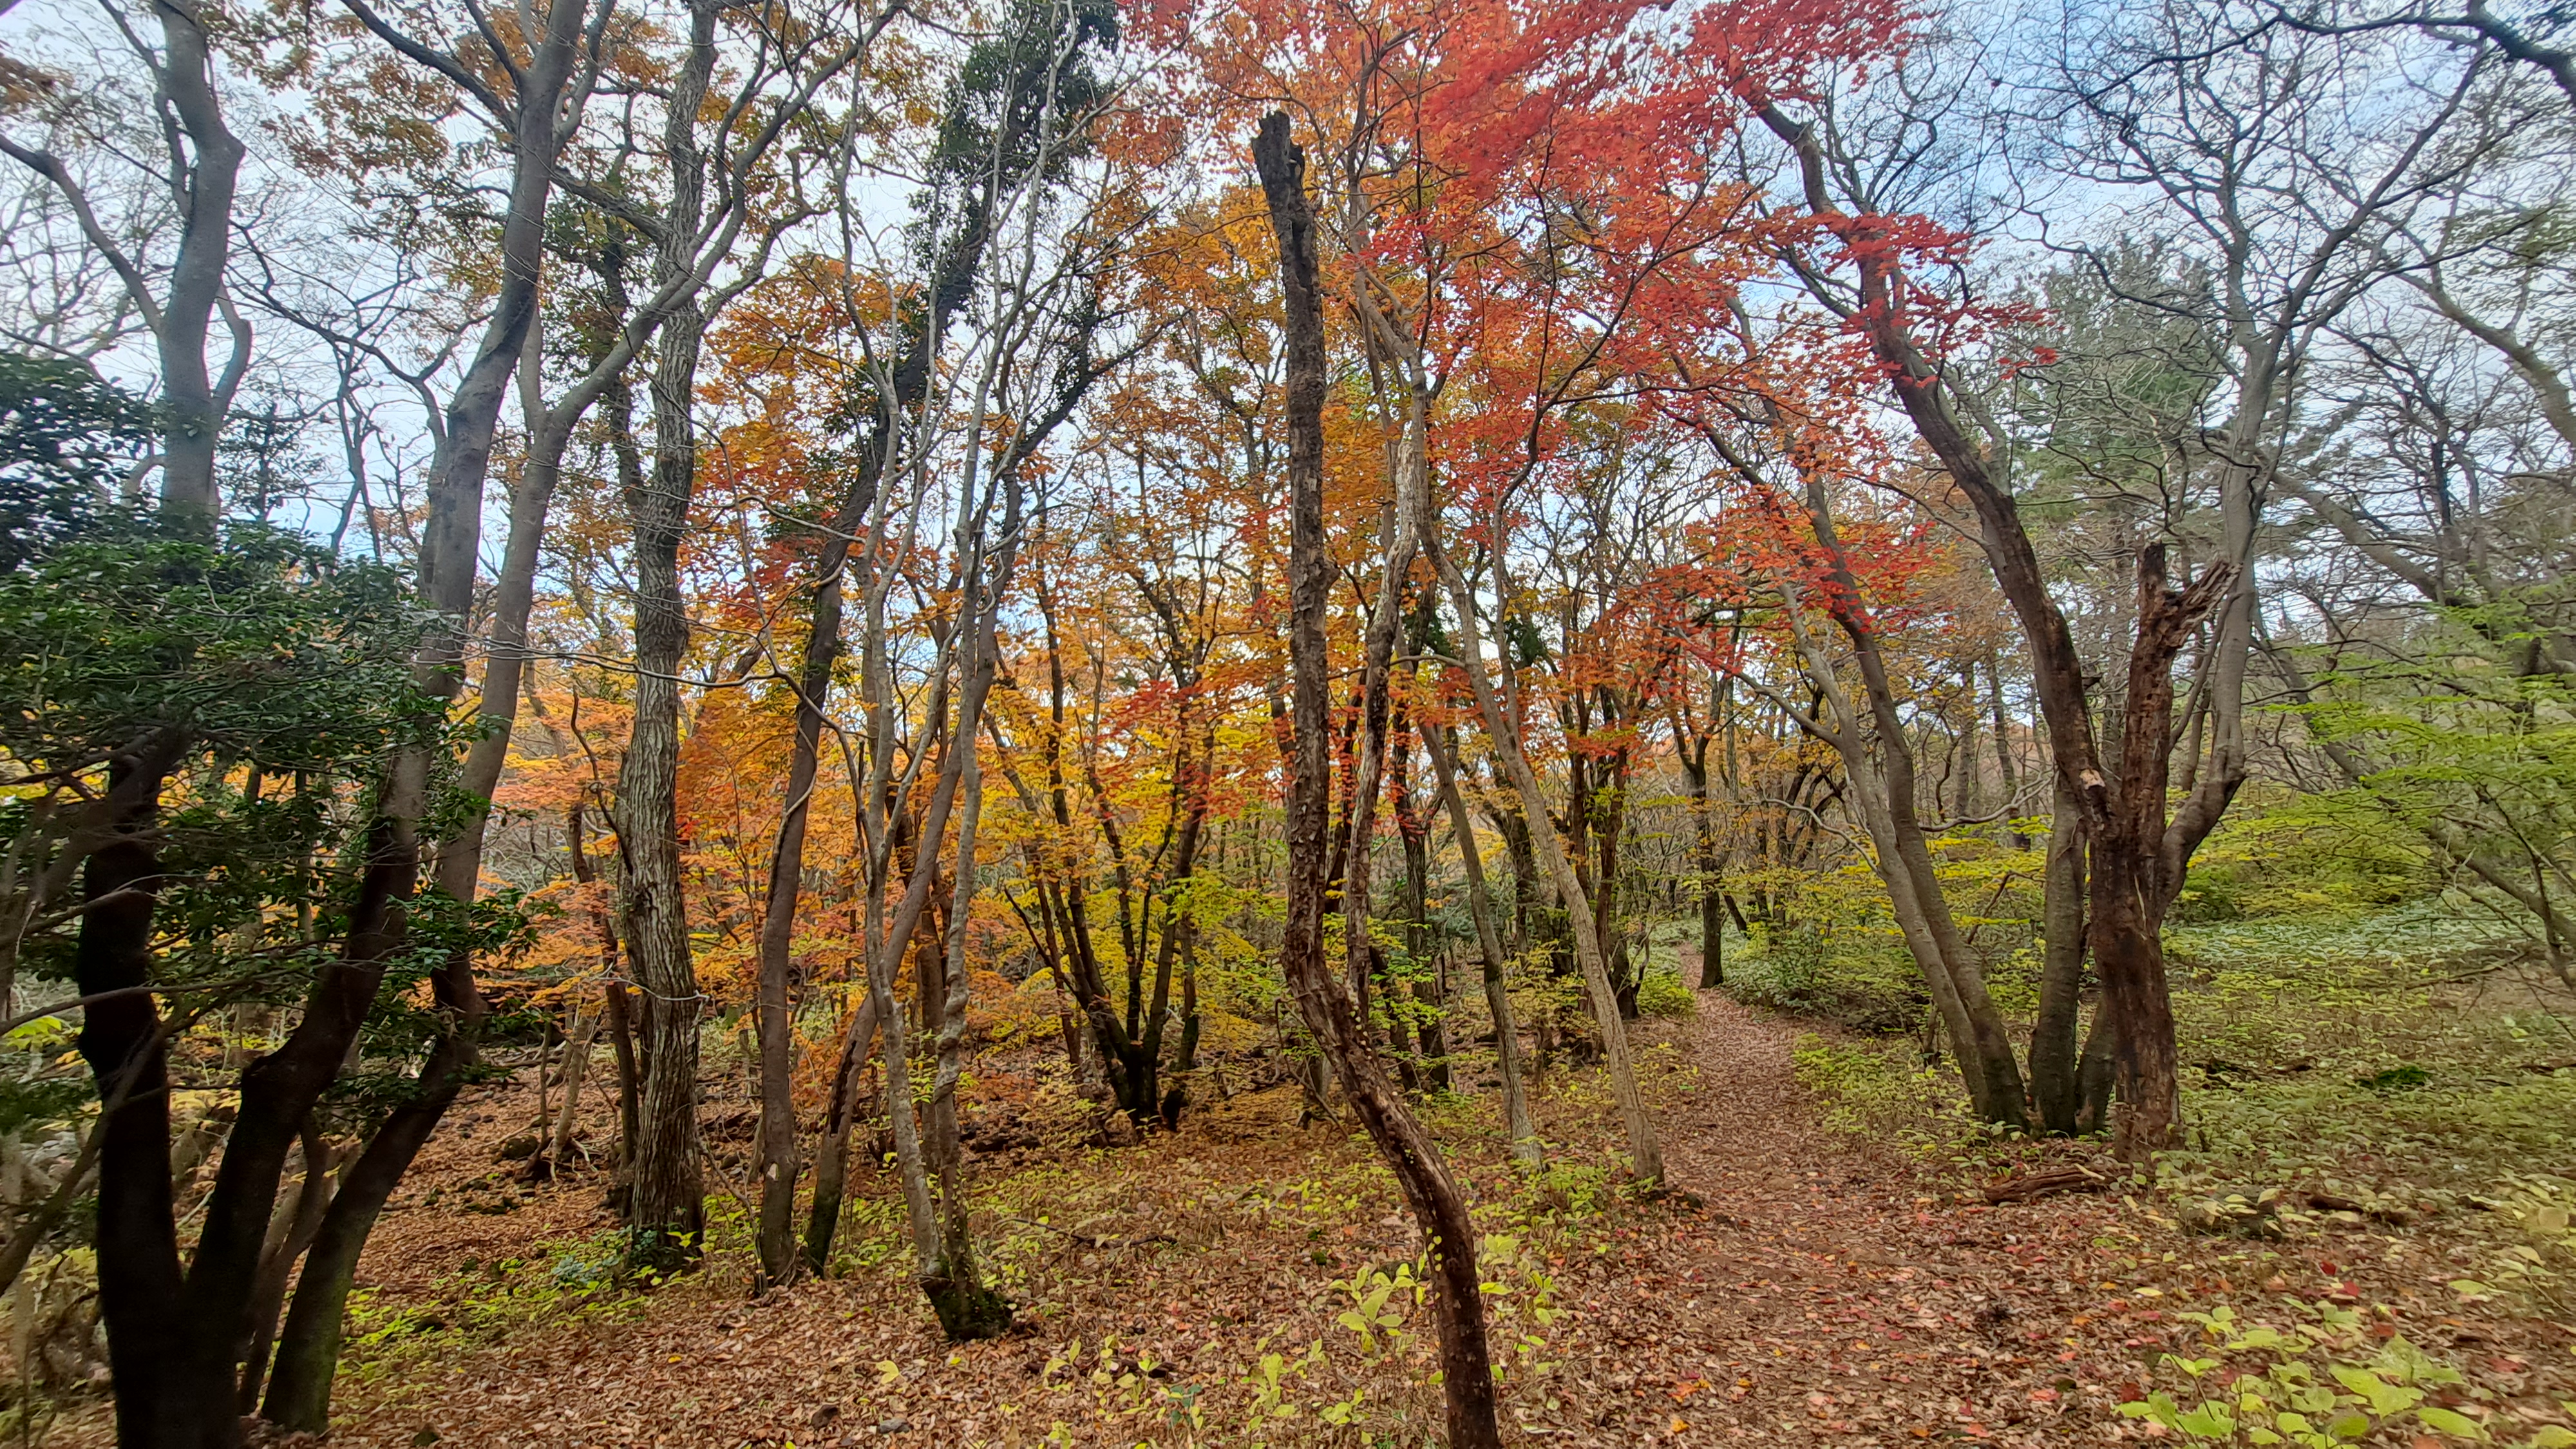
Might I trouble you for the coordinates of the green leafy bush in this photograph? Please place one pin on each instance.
(1865, 1091)
(1661, 993)
(1835, 976)
(2539, 1266)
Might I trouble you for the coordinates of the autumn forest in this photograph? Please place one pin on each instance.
(1217, 722)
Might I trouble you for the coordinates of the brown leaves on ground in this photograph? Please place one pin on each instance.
(1801, 1286)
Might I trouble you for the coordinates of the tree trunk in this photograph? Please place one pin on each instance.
(289, 1234)
(2133, 995)
(123, 1041)
(1905, 856)
(2134, 849)
(1427, 966)
(2005, 769)
(616, 1004)
(1712, 935)
(832, 1159)
(1467, 1381)
(2093, 1073)
(1489, 944)
(2054, 1085)
(194, 403)
(2137, 867)
(1712, 893)
(1495, 702)
(1431, 1057)
(1185, 1062)
(567, 1118)
(280, 1089)
(308, 1349)
(774, 1011)
(665, 1209)
(967, 1308)
(786, 880)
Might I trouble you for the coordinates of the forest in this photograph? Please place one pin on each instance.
(1364, 723)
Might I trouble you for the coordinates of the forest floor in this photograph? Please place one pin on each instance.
(1809, 1284)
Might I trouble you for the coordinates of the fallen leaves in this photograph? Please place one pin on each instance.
(1712, 1321)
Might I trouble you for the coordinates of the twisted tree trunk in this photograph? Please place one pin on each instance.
(1467, 1379)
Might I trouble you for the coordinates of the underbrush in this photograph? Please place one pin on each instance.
(1867, 1091)
(2342, 1074)
(2362, 1053)
(1661, 992)
(2320, 1375)
(2354, 1088)
(1847, 977)
(2368, 1057)
(1132, 1254)
(1884, 1092)
(487, 1302)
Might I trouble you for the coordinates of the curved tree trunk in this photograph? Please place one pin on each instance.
(1467, 1380)
(122, 1039)
(576, 1068)
(1645, 1147)
(308, 1355)
(1905, 855)
(774, 1012)
(194, 402)
(967, 1308)
(2138, 856)
(289, 1234)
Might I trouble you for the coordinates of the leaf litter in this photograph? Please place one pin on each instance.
(1801, 1285)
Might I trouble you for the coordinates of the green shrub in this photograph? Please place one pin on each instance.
(1863, 1090)
(1565, 1189)
(1839, 977)
(1661, 993)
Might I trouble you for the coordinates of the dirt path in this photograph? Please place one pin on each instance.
(1818, 1292)
(1828, 1292)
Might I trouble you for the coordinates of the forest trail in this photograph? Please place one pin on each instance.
(1821, 1290)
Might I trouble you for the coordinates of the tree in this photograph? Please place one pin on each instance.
(1879, 761)
(2298, 253)
(146, 656)
(1467, 1381)
(537, 114)
(200, 166)
(66, 438)
(691, 235)
(1017, 101)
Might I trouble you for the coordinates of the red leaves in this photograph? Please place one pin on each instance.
(1738, 47)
